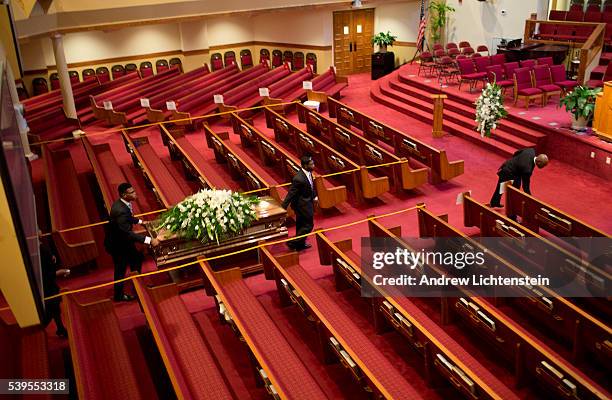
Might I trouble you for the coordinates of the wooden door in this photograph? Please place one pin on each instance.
(353, 32)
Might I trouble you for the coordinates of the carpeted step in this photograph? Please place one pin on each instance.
(452, 118)
(605, 58)
(530, 135)
(491, 144)
(526, 129)
(598, 72)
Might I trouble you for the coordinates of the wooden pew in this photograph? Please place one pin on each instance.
(532, 361)
(180, 148)
(394, 310)
(287, 90)
(276, 364)
(67, 210)
(339, 337)
(101, 361)
(590, 338)
(156, 175)
(107, 171)
(401, 176)
(191, 366)
(327, 85)
(536, 214)
(240, 170)
(288, 166)
(328, 160)
(405, 146)
(541, 251)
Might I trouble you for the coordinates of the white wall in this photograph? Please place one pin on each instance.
(312, 28)
(480, 21)
(226, 30)
(402, 19)
(194, 35)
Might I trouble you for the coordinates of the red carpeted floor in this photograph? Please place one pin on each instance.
(565, 186)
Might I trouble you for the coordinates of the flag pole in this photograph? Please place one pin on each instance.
(421, 34)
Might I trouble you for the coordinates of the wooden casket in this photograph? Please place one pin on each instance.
(270, 224)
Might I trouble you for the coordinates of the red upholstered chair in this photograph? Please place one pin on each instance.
(229, 58)
(461, 57)
(464, 44)
(557, 15)
(451, 45)
(509, 68)
(438, 46)
(176, 63)
(311, 59)
(593, 16)
(582, 33)
(103, 74)
(161, 65)
(277, 58)
(88, 74)
(559, 78)
(528, 63)
(246, 59)
(482, 63)
(476, 55)
(437, 55)
(54, 79)
(607, 15)
(545, 61)
(576, 6)
(495, 74)
(22, 92)
(524, 87)
(468, 73)
(74, 77)
(482, 49)
(298, 61)
(575, 15)
(264, 55)
(498, 59)
(216, 61)
(468, 51)
(543, 81)
(447, 69)
(288, 57)
(564, 32)
(130, 67)
(427, 62)
(146, 69)
(116, 70)
(453, 52)
(39, 86)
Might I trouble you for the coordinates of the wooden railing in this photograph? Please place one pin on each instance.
(590, 49)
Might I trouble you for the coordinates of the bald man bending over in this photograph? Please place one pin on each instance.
(518, 169)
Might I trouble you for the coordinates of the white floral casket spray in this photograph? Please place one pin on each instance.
(489, 109)
(210, 215)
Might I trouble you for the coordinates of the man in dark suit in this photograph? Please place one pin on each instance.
(121, 239)
(301, 197)
(518, 169)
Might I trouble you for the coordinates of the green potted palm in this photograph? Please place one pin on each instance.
(439, 12)
(383, 40)
(580, 102)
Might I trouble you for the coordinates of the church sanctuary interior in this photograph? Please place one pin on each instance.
(289, 199)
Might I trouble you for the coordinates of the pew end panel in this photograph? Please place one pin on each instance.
(449, 169)
(411, 178)
(154, 115)
(329, 197)
(372, 187)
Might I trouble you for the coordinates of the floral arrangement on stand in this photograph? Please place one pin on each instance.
(489, 109)
(210, 215)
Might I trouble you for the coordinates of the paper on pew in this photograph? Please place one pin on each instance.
(218, 99)
(307, 85)
(171, 106)
(108, 105)
(502, 187)
(77, 133)
(460, 197)
(144, 103)
(264, 92)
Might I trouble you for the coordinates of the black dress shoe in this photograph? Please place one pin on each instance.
(304, 247)
(62, 332)
(125, 297)
(494, 205)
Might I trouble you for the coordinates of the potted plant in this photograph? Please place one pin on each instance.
(581, 103)
(439, 15)
(383, 40)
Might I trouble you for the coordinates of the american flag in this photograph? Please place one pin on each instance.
(422, 24)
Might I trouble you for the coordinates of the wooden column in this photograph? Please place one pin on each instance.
(62, 72)
(437, 114)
